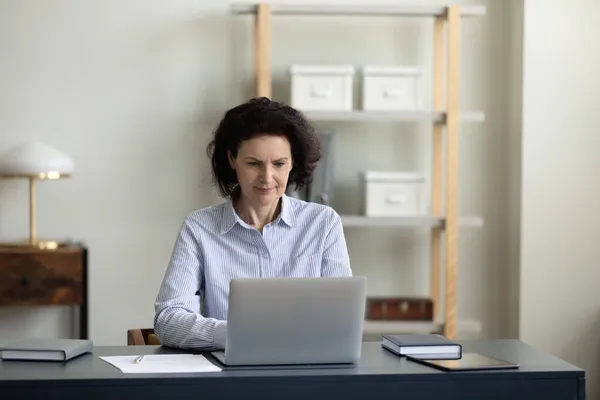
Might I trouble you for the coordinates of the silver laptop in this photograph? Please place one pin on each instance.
(293, 321)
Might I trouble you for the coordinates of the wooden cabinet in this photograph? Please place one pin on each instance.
(34, 277)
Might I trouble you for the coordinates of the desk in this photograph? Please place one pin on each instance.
(379, 375)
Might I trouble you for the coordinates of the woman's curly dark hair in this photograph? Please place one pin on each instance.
(260, 116)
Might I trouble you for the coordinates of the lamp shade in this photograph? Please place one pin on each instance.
(35, 158)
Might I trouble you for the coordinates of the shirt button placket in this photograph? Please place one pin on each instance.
(265, 255)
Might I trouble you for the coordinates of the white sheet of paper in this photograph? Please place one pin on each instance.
(162, 363)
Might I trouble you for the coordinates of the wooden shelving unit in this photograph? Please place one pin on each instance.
(444, 220)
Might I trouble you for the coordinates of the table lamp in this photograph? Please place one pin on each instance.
(35, 161)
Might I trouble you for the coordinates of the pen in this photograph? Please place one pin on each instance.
(139, 359)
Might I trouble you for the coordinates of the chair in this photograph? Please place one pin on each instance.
(142, 337)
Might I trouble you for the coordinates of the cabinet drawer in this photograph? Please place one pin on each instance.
(30, 277)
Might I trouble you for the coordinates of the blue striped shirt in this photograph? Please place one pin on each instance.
(214, 245)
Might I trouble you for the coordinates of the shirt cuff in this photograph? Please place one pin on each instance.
(220, 334)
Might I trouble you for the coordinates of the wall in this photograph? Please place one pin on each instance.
(132, 90)
(559, 296)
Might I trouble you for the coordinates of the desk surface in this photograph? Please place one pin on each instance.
(379, 374)
(374, 361)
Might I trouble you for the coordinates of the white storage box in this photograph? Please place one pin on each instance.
(322, 88)
(391, 88)
(392, 193)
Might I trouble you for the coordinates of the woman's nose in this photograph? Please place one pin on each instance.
(267, 174)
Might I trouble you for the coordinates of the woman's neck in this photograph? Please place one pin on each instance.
(254, 216)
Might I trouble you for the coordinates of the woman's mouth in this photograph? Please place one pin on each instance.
(264, 190)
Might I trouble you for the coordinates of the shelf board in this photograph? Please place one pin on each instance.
(430, 116)
(371, 327)
(372, 330)
(407, 221)
(366, 10)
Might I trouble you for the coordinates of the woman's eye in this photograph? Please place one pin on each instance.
(279, 164)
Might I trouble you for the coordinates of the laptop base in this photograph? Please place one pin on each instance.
(220, 357)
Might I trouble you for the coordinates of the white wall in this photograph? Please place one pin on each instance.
(132, 90)
(559, 296)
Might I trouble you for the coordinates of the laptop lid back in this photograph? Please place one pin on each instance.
(295, 320)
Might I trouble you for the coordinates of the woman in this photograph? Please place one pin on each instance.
(260, 148)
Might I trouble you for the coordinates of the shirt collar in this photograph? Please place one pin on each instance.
(230, 217)
(287, 214)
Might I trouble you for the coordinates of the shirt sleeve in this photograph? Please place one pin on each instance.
(336, 261)
(177, 321)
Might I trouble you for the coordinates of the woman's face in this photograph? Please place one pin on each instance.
(263, 165)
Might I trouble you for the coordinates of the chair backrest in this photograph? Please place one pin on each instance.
(142, 337)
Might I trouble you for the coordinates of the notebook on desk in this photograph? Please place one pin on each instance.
(430, 345)
(44, 349)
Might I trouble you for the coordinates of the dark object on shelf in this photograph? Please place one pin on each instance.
(321, 188)
(399, 309)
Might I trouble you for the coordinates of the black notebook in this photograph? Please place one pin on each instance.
(42, 349)
(430, 345)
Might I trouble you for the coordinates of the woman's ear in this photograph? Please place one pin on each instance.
(231, 160)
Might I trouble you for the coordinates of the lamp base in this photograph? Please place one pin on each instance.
(38, 244)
